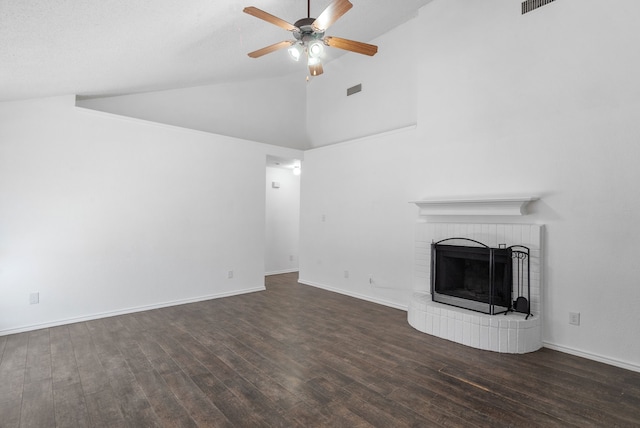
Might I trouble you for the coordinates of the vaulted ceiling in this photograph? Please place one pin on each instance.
(98, 47)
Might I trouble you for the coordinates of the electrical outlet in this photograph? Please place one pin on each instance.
(291, 258)
(371, 279)
(230, 274)
(346, 274)
(34, 298)
(574, 318)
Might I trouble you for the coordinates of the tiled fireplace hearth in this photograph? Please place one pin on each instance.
(513, 332)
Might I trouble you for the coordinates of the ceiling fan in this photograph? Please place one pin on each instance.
(309, 35)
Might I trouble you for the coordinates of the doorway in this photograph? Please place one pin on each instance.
(282, 215)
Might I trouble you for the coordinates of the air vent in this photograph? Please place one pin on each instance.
(529, 5)
(354, 89)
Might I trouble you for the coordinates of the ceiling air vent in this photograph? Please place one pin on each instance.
(529, 5)
(354, 89)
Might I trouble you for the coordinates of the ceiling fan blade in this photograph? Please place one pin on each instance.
(261, 14)
(351, 45)
(271, 48)
(331, 14)
(316, 69)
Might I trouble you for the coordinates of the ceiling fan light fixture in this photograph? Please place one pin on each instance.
(309, 34)
(315, 49)
(295, 51)
(315, 66)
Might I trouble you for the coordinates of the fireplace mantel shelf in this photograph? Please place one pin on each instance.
(506, 206)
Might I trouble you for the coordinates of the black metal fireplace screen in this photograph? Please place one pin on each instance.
(481, 278)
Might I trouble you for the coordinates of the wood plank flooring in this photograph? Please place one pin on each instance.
(293, 356)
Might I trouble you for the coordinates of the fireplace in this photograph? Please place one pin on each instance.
(516, 331)
(478, 278)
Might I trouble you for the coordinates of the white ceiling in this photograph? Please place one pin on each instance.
(109, 47)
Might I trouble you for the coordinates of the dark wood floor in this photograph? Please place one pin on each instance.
(293, 356)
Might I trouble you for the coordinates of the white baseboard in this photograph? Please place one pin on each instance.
(127, 311)
(594, 357)
(278, 272)
(356, 295)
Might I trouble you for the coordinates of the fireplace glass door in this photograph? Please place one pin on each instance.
(475, 278)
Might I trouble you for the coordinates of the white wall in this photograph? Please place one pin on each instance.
(257, 110)
(101, 214)
(544, 104)
(355, 217)
(282, 221)
(388, 99)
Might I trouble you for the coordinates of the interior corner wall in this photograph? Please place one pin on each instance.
(356, 226)
(536, 104)
(103, 215)
(282, 221)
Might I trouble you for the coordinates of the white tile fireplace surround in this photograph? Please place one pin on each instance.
(510, 333)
